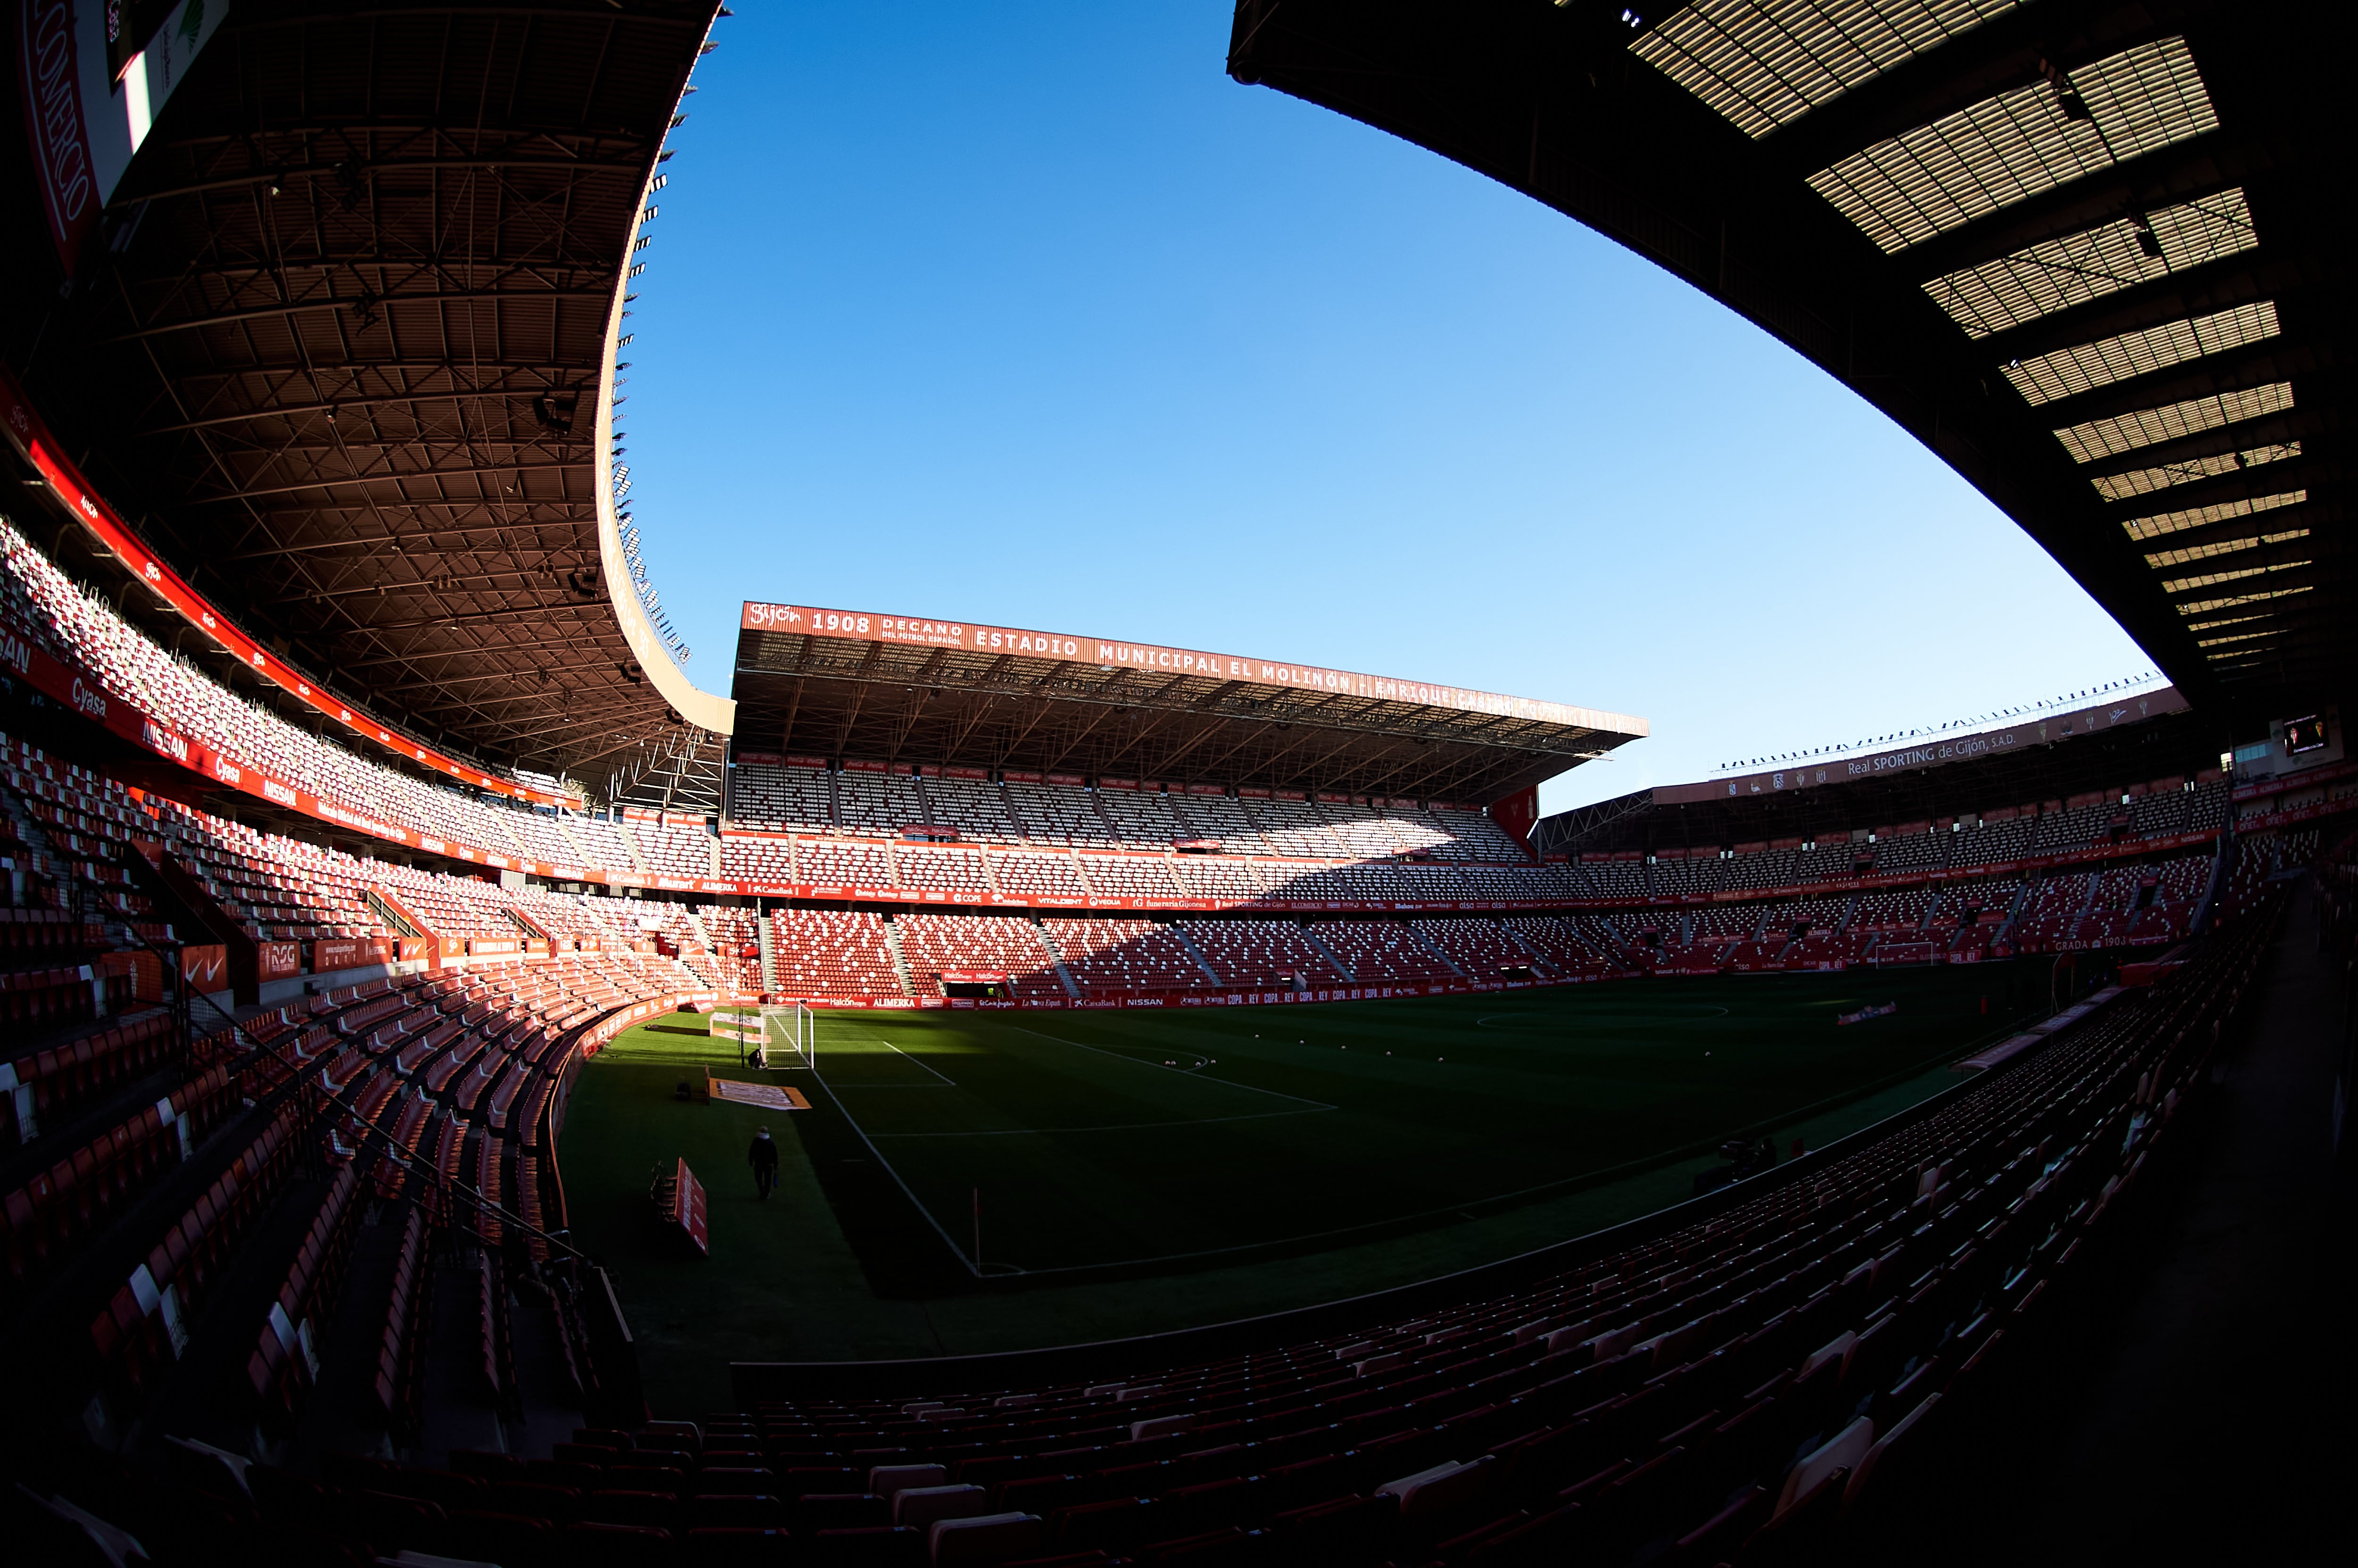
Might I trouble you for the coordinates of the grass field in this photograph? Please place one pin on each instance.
(1140, 1171)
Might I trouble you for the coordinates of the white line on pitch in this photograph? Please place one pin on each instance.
(1134, 1061)
(1122, 1127)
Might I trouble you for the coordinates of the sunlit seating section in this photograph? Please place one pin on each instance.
(674, 849)
(1473, 837)
(978, 943)
(1228, 881)
(950, 868)
(1291, 827)
(1123, 955)
(780, 799)
(1034, 873)
(1130, 876)
(844, 863)
(1217, 818)
(757, 859)
(1365, 833)
(831, 953)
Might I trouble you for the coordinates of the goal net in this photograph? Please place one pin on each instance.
(793, 1032)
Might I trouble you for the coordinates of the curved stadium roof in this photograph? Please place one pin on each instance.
(337, 348)
(910, 690)
(2081, 250)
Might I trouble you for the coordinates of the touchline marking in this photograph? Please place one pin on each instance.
(844, 1111)
(1157, 1066)
(1121, 1126)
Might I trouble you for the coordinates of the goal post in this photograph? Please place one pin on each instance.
(794, 1029)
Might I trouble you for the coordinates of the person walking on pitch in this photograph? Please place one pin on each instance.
(763, 1158)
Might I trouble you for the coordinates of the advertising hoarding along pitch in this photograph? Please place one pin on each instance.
(865, 626)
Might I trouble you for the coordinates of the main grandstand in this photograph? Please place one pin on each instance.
(354, 808)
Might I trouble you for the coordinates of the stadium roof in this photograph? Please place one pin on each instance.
(2083, 250)
(2048, 756)
(334, 349)
(834, 684)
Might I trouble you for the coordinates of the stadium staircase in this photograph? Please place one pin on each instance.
(1439, 955)
(769, 952)
(2222, 866)
(1328, 954)
(2022, 899)
(1205, 964)
(630, 842)
(1539, 963)
(1056, 961)
(900, 959)
(565, 831)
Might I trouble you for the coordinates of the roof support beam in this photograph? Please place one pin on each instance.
(2309, 576)
(2190, 170)
(2244, 278)
(1993, 57)
(2251, 525)
(302, 307)
(2243, 435)
(2259, 481)
(2235, 370)
(393, 477)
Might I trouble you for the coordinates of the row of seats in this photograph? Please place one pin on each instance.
(1749, 1385)
(774, 798)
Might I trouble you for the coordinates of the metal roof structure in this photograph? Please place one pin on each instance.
(908, 691)
(2083, 250)
(342, 358)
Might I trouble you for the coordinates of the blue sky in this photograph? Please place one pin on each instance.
(1026, 314)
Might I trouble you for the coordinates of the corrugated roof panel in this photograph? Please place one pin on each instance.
(2195, 517)
(1907, 189)
(2074, 268)
(2127, 432)
(2163, 558)
(1766, 63)
(2145, 481)
(2087, 366)
(2236, 600)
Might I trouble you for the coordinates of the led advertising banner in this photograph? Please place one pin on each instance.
(1105, 653)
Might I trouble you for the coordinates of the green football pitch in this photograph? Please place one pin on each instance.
(968, 1181)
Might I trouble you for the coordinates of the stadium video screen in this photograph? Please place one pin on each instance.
(2304, 735)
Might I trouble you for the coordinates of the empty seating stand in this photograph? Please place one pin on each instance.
(1752, 1385)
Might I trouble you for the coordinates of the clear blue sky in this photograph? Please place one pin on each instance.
(1026, 314)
